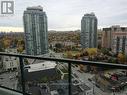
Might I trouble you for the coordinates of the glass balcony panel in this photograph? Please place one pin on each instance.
(94, 80)
(46, 77)
(10, 75)
(52, 77)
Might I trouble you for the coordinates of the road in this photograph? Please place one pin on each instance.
(83, 78)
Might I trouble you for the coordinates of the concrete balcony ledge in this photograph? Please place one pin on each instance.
(4, 91)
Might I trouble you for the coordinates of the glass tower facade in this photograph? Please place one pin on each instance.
(36, 31)
(89, 31)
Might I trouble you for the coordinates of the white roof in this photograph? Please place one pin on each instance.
(41, 66)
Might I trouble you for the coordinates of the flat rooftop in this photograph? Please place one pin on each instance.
(41, 66)
(35, 8)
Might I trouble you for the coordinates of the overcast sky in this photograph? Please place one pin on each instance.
(67, 14)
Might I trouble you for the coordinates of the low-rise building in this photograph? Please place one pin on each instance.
(115, 38)
(82, 89)
(106, 38)
(38, 90)
(59, 86)
(9, 62)
(119, 42)
(41, 72)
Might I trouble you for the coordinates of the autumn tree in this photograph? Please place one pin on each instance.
(121, 57)
(6, 42)
(20, 45)
(69, 55)
(105, 51)
(77, 56)
(1, 46)
(92, 51)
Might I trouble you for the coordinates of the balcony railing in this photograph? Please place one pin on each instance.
(70, 62)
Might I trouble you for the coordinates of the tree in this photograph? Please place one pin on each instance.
(20, 45)
(1, 46)
(85, 53)
(112, 60)
(78, 56)
(121, 57)
(15, 41)
(6, 42)
(26, 61)
(58, 45)
(50, 46)
(69, 55)
(105, 51)
(92, 51)
(20, 49)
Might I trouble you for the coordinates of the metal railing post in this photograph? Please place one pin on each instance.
(22, 74)
(69, 78)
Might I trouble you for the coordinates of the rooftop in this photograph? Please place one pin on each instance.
(40, 8)
(89, 14)
(41, 66)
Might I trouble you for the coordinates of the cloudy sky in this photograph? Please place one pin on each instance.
(67, 14)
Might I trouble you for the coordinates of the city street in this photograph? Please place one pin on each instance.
(83, 78)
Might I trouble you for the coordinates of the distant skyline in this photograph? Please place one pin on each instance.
(66, 14)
